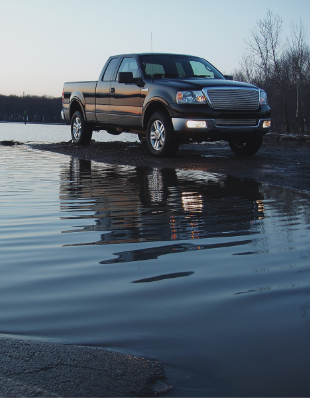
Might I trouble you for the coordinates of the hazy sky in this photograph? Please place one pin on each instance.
(47, 42)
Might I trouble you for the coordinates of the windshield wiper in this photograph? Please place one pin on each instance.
(170, 75)
(163, 75)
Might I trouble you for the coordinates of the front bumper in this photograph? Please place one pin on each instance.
(180, 125)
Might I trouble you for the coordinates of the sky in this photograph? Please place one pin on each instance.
(47, 42)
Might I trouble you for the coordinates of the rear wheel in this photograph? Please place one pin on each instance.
(81, 133)
(160, 136)
(246, 147)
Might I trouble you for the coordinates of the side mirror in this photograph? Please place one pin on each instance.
(126, 77)
(229, 77)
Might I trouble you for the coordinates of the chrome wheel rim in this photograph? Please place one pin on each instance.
(77, 128)
(157, 135)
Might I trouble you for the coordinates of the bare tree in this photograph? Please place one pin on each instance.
(248, 69)
(282, 70)
(264, 45)
(299, 67)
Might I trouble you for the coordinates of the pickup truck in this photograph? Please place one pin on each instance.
(167, 99)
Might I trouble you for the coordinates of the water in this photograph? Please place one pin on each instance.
(207, 273)
(32, 132)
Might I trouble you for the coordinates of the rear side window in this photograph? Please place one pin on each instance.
(108, 74)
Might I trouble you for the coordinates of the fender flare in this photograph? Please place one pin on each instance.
(77, 97)
(153, 101)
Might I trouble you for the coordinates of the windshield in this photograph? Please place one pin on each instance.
(177, 66)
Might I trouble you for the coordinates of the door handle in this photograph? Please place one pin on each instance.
(112, 90)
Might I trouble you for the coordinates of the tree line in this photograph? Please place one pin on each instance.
(282, 69)
(36, 109)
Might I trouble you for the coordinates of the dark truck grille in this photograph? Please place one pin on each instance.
(236, 122)
(235, 99)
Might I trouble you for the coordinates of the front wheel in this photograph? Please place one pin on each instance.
(81, 133)
(246, 147)
(142, 139)
(160, 136)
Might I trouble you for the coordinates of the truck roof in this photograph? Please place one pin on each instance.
(133, 54)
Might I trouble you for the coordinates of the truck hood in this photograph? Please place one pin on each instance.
(198, 84)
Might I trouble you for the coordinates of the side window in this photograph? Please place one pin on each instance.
(130, 65)
(110, 69)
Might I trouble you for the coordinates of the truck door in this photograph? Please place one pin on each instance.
(125, 100)
(103, 92)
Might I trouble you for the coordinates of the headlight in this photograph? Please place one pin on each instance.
(190, 97)
(263, 100)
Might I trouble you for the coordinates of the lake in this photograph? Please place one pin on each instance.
(205, 272)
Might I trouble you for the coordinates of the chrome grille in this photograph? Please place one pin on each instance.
(236, 99)
(236, 122)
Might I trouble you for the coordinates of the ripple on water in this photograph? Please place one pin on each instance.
(206, 272)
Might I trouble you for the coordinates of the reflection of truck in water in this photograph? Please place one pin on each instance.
(128, 204)
(167, 99)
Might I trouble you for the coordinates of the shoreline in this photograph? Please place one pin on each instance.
(282, 163)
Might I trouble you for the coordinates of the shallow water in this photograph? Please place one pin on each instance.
(33, 132)
(205, 272)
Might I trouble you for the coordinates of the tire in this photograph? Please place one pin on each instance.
(249, 147)
(81, 133)
(142, 139)
(160, 136)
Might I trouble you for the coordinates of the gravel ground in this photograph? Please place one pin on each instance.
(32, 369)
(279, 162)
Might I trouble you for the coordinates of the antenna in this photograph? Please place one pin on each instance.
(152, 54)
